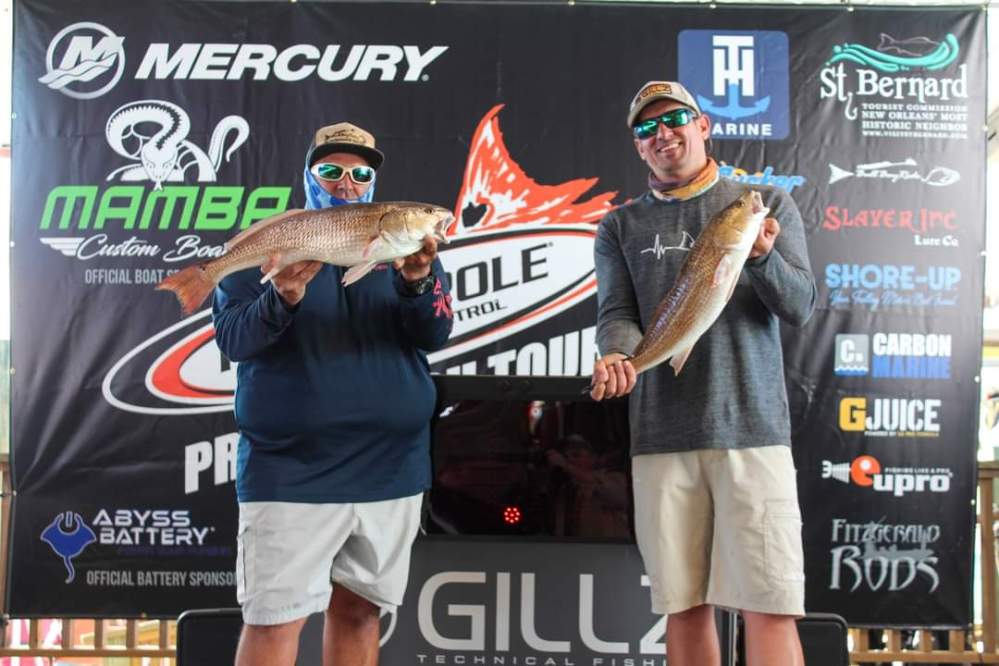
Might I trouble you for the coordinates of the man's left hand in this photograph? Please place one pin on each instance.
(417, 265)
(765, 241)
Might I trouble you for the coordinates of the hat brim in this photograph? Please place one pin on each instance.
(374, 156)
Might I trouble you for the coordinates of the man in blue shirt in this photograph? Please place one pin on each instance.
(333, 402)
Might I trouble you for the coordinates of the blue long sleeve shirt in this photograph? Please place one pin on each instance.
(333, 397)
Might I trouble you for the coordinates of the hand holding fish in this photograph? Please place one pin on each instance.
(417, 265)
(613, 376)
(765, 240)
(290, 283)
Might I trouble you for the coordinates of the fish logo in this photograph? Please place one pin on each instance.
(519, 252)
(658, 249)
(82, 60)
(906, 170)
(497, 194)
(893, 55)
(68, 535)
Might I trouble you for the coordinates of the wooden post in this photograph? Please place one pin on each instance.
(987, 555)
(67, 634)
(894, 640)
(131, 633)
(862, 643)
(925, 640)
(6, 492)
(956, 640)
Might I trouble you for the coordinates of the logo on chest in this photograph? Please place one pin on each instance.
(657, 249)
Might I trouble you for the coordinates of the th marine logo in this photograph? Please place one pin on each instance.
(740, 80)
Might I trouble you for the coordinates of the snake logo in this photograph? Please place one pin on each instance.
(68, 536)
(152, 135)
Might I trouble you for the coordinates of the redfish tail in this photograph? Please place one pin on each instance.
(191, 286)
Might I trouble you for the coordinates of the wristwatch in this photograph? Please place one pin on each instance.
(419, 286)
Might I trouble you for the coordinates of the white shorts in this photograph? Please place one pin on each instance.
(289, 553)
(721, 527)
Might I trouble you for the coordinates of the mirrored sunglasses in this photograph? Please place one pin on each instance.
(362, 175)
(671, 119)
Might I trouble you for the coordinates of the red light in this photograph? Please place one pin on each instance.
(511, 515)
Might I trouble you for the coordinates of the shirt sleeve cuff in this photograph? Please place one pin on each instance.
(757, 262)
(276, 310)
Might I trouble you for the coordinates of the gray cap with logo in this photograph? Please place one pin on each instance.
(656, 90)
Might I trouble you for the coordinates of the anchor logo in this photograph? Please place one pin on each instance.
(741, 78)
(735, 64)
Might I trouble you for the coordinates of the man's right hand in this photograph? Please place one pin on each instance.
(291, 281)
(613, 376)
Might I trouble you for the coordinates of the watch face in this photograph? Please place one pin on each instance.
(425, 284)
(422, 285)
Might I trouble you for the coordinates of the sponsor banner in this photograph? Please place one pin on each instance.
(529, 603)
(894, 355)
(740, 80)
(903, 86)
(867, 472)
(906, 287)
(148, 152)
(878, 556)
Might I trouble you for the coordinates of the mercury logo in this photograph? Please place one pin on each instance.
(86, 60)
(332, 62)
(90, 59)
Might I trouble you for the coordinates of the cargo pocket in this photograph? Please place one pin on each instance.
(782, 550)
(244, 553)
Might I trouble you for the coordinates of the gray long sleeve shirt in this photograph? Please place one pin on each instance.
(731, 391)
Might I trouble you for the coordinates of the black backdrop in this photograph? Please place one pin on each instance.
(146, 134)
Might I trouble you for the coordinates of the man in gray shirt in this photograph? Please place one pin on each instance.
(716, 507)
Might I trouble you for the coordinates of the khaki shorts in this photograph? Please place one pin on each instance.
(289, 553)
(721, 527)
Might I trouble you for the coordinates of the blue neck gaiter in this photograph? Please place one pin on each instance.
(316, 197)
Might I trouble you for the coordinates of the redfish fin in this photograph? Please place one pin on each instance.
(257, 227)
(679, 359)
(723, 271)
(279, 265)
(191, 286)
(373, 246)
(357, 271)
